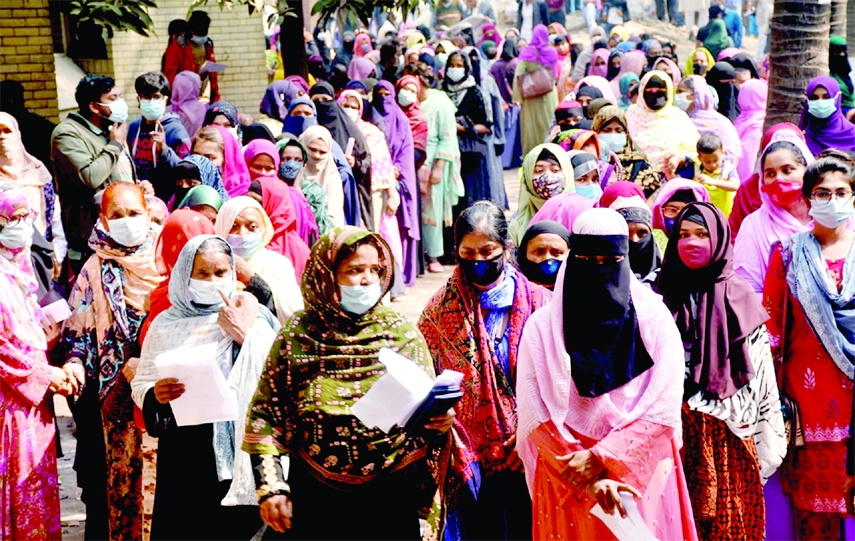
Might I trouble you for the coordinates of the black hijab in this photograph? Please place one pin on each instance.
(723, 71)
(535, 271)
(601, 332)
(644, 256)
(743, 61)
(256, 131)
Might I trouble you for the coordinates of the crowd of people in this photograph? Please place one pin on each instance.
(667, 314)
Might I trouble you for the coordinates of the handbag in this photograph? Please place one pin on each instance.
(789, 407)
(534, 84)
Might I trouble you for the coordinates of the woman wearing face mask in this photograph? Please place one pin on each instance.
(783, 213)
(19, 167)
(632, 63)
(304, 196)
(546, 173)
(823, 121)
(408, 90)
(384, 182)
(611, 127)
(205, 309)
(330, 115)
(542, 250)
(733, 430)
(215, 143)
(536, 112)
(276, 200)
(474, 325)
(694, 97)
(672, 198)
(586, 176)
(808, 294)
(654, 123)
(276, 103)
(31, 502)
(321, 170)
(599, 388)
(197, 170)
(644, 255)
(247, 227)
(302, 408)
(720, 78)
(699, 62)
(108, 305)
(473, 126)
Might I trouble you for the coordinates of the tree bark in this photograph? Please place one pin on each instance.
(799, 52)
(850, 28)
(294, 58)
(838, 17)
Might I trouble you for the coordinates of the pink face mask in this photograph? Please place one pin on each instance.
(695, 253)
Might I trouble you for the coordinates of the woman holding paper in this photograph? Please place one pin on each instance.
(600, 388)
(108, 305)
(324, 360)
(474, 325)
(29, 493)
(206, 309)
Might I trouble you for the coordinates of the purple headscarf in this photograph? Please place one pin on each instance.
(538, 50)
(399, 137)
(749, 123)
(278, 98)
(832, 132)
(707, 120)
(301, 83)
(185, 101)
(359, 68)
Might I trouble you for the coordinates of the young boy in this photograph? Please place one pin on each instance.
(716, 174)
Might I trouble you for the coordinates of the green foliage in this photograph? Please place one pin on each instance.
(251, 5)
(362, 9)
(113, 15)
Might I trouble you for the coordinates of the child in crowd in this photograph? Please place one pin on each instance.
(715, 173)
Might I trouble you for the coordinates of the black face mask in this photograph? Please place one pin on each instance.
(485, 272)
(655, 100)
(543, 273)
(348, 46)
(699, 69)
(652, 60)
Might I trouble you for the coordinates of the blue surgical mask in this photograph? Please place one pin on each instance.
(550, 266)
(669, 224)
(16, 236)
(592, 191)
(245, 246)
(822, 108)
(615, 142)
(366, 48)
(831, 213)
(205, 293)
(360, 299)
(681, 102)
(289, 169)
(441, 59)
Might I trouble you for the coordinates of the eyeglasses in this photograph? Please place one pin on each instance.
(825, 196)
(12, 222)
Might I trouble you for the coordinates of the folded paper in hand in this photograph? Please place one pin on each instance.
(406, 394)
(207, 396)
(631, 528)
(211, 67)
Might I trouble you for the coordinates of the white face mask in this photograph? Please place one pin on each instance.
(831, 213)
(206, 293)
(118, 110)
(359, 299)
(455, 75)
(681, 102)
(352, 114)
(129, 232)
(16, 236)
(615, 142)
(406, 98)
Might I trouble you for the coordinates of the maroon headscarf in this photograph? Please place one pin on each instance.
(727, 307)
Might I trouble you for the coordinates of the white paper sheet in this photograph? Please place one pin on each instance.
(212, 67)
(631, 528)
(57, 310)
(207, 396)
(395, 396)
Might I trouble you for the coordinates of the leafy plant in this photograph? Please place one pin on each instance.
(113, 15)
(363, 9)
(251, 5)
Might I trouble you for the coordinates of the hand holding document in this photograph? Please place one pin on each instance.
(404, 389)
(211, 67)
(207, 396)
(631, 528)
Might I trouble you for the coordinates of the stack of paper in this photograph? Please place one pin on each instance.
(631, 528)
(400, 392)
(207, 396)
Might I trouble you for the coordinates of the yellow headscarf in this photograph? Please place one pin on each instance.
(530, 202)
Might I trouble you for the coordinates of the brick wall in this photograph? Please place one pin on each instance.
(238, 42)
(26, 53)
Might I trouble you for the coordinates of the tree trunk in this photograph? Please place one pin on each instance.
(850, 28)
(838, 17)
(799, 52)
(294, 58)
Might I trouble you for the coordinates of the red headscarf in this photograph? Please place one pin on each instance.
(181, 226)
(619, 189)
(418, 122)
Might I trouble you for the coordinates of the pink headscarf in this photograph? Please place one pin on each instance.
(599, 71)
(672, 70)
(257, 147)
(236, 179)
(538, 50)
(730, 52)
(621, 190)
(185, 101)
(707, 120)
(564, 209)
(357, 45)
(749, 123)
(601, 84)
(300, 82)
(766, 226)
(632, 62)
(668, 190)
(360, 68)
